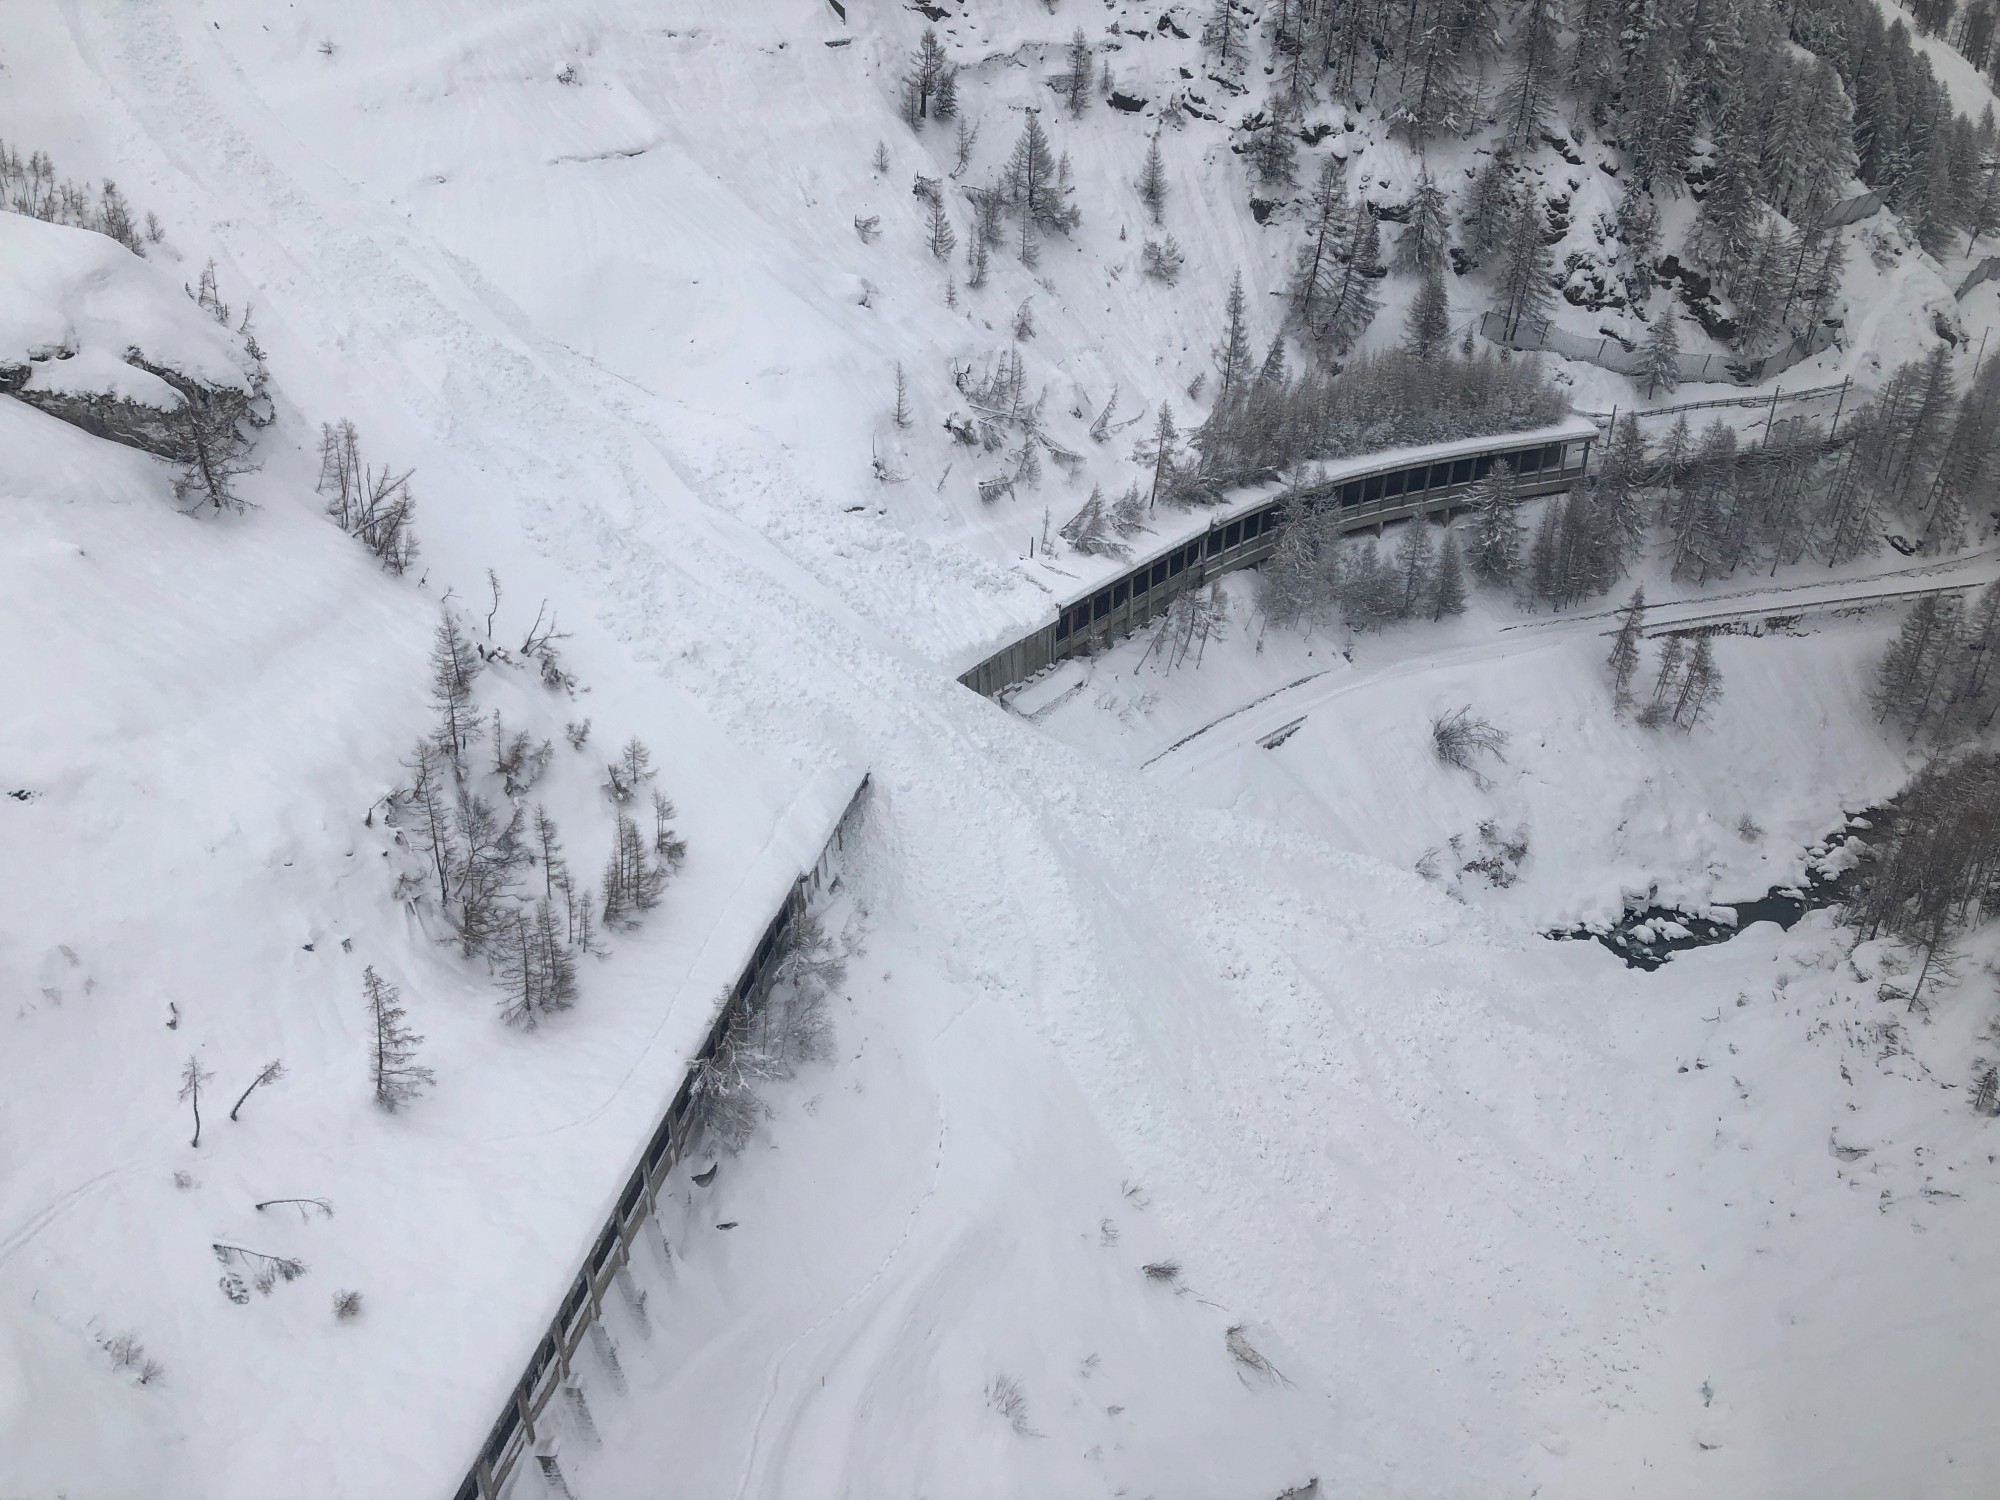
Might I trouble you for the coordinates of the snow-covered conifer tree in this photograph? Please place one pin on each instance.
(1416, 568)
(1428, 330)
(1316, 276)
(1077, 75)
(938, 233)
(393, 1070)
(1493, 549)
(1274, 150)
(1522, 292)
(1162, 452)
(1353, 300)
(1700, 687)
(1620, 484)
(1434, 97)
(1489, 207)
(930, 89)
(1448, 583)
(1232, 355)
(1427, 232)
(1624, 660)
(454, 665)
(1662, 351)
(1225, 35)
(1532, 74)
(1152, 182)
(1032, 186)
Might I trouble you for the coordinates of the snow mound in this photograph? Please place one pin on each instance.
(77, 307)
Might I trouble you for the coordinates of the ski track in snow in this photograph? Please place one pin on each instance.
(12, 1244)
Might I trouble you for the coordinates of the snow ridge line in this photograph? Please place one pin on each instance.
(549, 1367)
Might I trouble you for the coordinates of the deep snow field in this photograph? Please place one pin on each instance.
(1125, 986)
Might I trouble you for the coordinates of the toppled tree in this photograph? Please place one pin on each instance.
(518, 761)
(1092, 531)
(264, 1271)
(393, 1070)
(763, 1035)
(206, 434)
(798, 1021)
(1459, 739)
(377, 510)
(271, 1072)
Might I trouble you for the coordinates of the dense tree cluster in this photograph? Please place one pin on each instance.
(476, 842)
(1386, 400)
(1920, 456)
(1937, 680)
(930, 84)
(1939, 871)
(1765, 112)
(376, 509)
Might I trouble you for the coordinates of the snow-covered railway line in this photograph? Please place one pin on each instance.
(1981, 567)
(1273, 710)
(1790, 610)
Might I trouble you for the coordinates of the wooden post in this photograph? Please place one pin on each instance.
(1838, 407)
(1773, 417)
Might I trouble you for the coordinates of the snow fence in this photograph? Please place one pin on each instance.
(1533, 334)
(526, 1427)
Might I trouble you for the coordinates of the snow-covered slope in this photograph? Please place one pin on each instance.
(624, 329)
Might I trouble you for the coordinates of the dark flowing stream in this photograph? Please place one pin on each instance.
(1646, 937)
